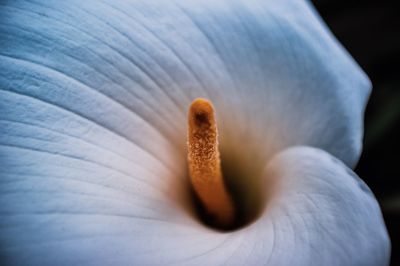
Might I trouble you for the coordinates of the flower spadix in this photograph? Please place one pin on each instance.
(204, 163)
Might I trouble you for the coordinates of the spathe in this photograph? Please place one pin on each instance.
(93, 128)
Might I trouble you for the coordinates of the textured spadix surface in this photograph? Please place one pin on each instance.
(93, 107)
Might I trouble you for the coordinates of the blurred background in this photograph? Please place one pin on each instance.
(370, 31)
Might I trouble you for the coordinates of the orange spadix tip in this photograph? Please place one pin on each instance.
(204, 163)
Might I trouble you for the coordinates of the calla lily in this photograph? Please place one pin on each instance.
(94, 99)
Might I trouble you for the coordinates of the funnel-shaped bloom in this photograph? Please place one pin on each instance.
(93, 121)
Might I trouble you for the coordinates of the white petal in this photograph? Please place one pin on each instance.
(92, 124)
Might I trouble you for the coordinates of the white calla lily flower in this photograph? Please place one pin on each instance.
(93, 124)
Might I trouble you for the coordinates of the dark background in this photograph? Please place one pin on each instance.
(370, 31)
